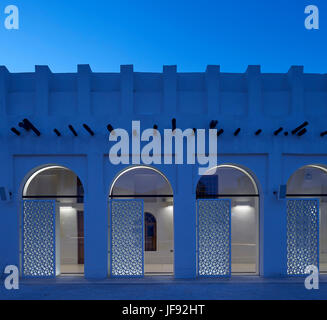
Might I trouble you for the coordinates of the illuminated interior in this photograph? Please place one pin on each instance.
(154, 189)
(63, 186)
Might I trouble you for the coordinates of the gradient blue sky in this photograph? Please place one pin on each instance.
(151, 33)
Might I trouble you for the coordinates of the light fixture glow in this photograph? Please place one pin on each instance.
(66, 206)
(67, 210)
(242, 209)
(209, 172)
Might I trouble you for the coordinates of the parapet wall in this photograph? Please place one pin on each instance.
(224, 94)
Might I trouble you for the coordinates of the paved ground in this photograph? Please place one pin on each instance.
(254, 288)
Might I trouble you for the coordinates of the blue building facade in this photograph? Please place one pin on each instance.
(265, 107)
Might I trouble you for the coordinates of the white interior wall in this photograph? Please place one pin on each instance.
(58, 240)
(68, 235)
(244, 231)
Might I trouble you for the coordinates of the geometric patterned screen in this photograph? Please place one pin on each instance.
(127, 244)
(302, 235)
(214, 237)
(38, 238)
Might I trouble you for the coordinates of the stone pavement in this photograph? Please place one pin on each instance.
(165, 288)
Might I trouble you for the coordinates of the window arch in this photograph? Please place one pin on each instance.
(140, 181)
(309, 180)
(226, 180)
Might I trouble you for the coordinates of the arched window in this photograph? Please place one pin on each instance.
(146, 185)
(225, 181)
(236, 184)
(140, 182)
(150, 232)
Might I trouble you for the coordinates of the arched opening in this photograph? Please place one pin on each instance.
(309, 182)
(150, 187)
(52, 224)
(239, 190)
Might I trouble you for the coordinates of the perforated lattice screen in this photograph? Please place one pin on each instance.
(127, 254)
(38, 228)
(302, 235)
(214, 237)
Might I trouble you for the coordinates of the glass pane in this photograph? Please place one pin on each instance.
(141, 181)
(56, 181)
(308, 180)
(71, 238)
(225, 180)
(244, 234)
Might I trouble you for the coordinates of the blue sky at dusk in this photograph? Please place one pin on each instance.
(153, 33)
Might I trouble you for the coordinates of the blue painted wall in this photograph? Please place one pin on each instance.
(250, 101)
